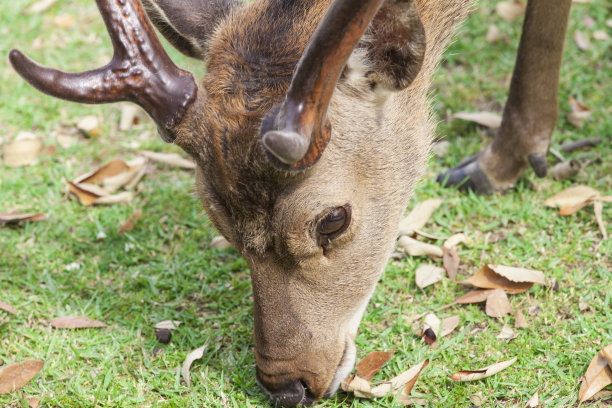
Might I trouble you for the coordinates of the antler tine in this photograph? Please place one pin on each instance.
(297, 131)
(140, 70)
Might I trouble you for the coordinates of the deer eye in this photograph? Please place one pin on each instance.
(334, 224)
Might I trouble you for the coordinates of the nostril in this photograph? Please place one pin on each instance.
(288, 395)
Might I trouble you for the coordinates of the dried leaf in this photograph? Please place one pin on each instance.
(534, 401)
(578, 114)
(510, 10)
(171, 159)
(431, 328)
(572, 199)
(419, 216)
(582, 40)
(418, 248)
(449, 324)
(34, 403)
(487, 119)
(450, 260)
(110, 169)
(406, 379)
(565, 169)
(129, 224)
(598, 374)
(600, 35)
(428, 275)
(129, 116)
(23, 151)
(16, 375)
(372, 363)
(507, 333)
(493, 34)
(123, 197)
(456, 239)
(89, 126)
(168, 324)
(39, 7)
(193, 356)
(513, 280)
(64, 21)
(520, 322)
(219, 242)
(7, 308)
(498, 304)
(472, 375)
(76, 322)
(14, 217)
(598, 209)
(474, 296)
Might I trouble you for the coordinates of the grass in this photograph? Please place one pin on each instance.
(163, 269)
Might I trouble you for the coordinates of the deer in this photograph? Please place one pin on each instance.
(310, 131)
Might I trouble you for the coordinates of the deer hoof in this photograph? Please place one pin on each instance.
(467, 176)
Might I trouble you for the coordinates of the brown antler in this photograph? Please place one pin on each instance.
(297, 131)
(140, 70)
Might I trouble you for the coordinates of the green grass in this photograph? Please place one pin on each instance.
(163, 269)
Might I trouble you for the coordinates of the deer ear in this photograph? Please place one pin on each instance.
(188, 24)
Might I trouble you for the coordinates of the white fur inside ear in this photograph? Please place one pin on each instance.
(355, 76)
(152, 7)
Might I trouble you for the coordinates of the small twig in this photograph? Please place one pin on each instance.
(578, 144)
(558, 155)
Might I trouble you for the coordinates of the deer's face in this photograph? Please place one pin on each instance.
(305, 167)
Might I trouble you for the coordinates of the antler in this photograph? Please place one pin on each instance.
(140, 71)
(297, 131)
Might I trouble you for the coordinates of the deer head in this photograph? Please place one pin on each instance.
(310, 130)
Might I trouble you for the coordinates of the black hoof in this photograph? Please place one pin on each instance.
(467, 176)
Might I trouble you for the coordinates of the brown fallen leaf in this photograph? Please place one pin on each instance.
(129, 224)
(486, 119)
(419, 216)
(186, 367)
(598, 374)
(418, 248)
(7, 308)
(507, 333)
(428, 274)
(23, 151)
(534, 401)
(572, 199)
(493, 34)
(510, 10)
(520, 322)
(65, 21)
(110, 169)
(372, 363)
(16, 375)
(219, 242)
(405, 380)
(172, 159)
(129, 116)
(449, 324)
(450, 260)
(75, 322)
(15, 218)
(582, 40)
(472, 375)
(456, 239)
(474, 296)
(513, 280)
(39, 7)
(578, 114)
(498, 304)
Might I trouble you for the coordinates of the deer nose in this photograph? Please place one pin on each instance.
(290, 394)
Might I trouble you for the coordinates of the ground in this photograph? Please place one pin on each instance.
(163, 268)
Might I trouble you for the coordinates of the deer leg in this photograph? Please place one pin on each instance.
(530, 113)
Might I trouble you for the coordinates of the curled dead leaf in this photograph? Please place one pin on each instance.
(15, 218)
(598, 374)
(418, 248)
(578, 114)
(474, 296)
(507, 333)
(450, 260)
(572, 199)
(449, 324)
(419, 216)
(186, 367)
(129, 224)
(472, 375)
(486, 119)
(431, 328)
(168, 324)
(171, 159)
(76, 322)
(520, 322)
(513, 280)
(455, 240)
(510, 10)
(16, 375)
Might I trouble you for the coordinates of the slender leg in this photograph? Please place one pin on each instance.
(531, 110)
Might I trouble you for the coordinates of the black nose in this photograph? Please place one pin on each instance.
(291, 394)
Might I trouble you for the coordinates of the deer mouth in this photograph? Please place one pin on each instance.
(345, 366)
